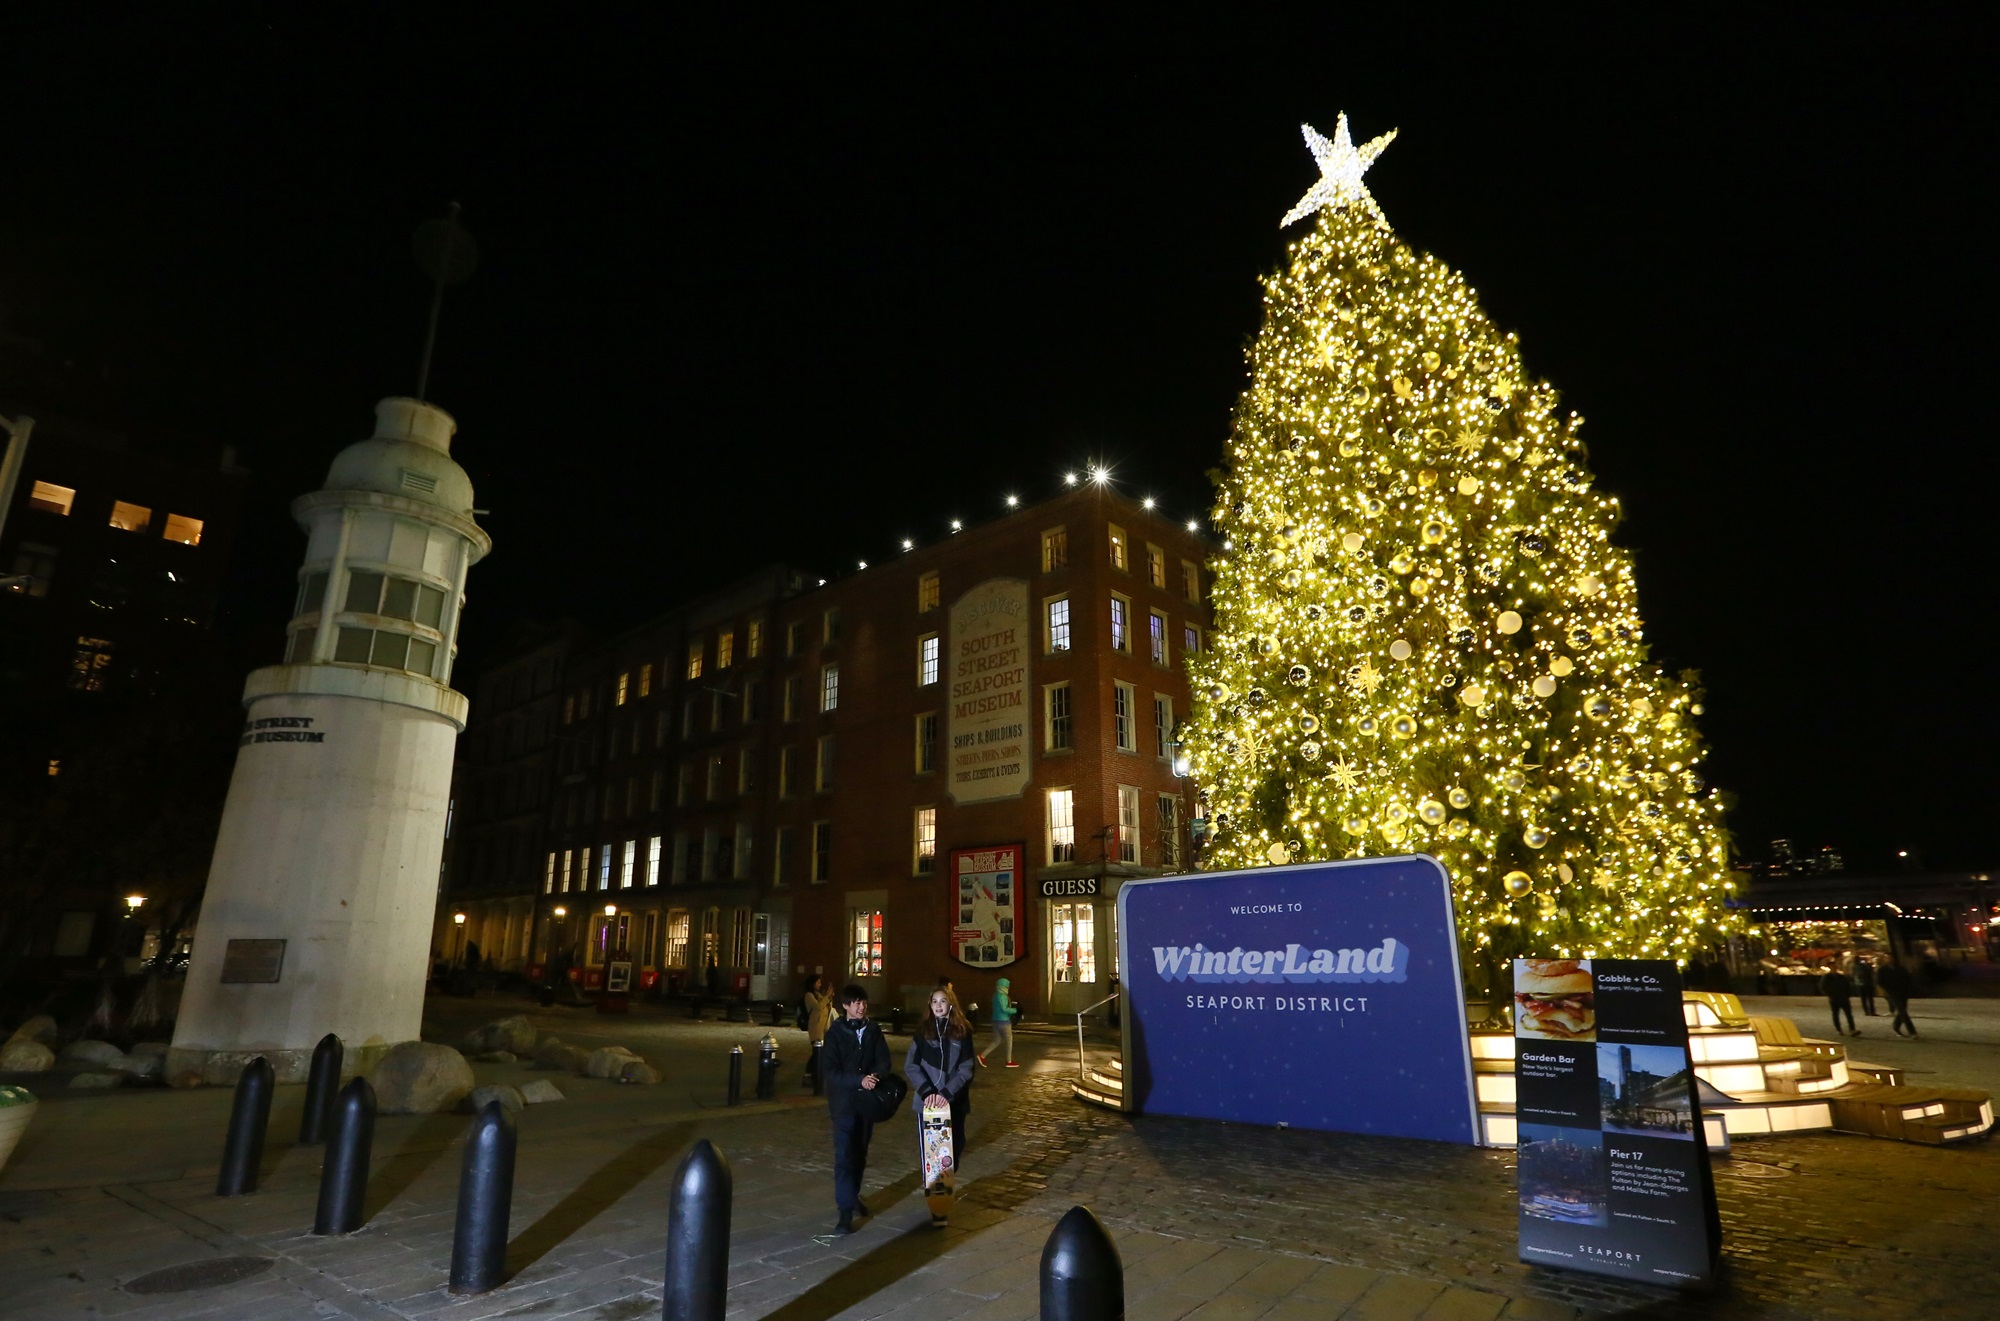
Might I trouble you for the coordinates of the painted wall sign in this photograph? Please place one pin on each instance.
(1070, 887)
(280, 729)
(987, 884)
(1325, 996)
(253, 961)
(1614, 1173)
(986, 671)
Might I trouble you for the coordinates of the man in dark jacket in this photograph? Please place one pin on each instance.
(854, 1059)
(1835, 986)
(1898, 986)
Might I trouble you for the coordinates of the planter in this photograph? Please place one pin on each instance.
(17, 1108)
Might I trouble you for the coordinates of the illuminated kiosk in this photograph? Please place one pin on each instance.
(321, 893)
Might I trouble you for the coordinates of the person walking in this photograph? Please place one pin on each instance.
(856, 1058)
(1897, 987)
(818, 1015)
(940, 1066)
(1833, 984)
(1864, 982)
(1003, 1023)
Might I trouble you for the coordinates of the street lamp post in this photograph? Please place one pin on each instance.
(458, 924)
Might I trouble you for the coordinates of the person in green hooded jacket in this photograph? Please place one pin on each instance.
(1003, 1023)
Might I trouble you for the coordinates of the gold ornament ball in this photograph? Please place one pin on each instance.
(1432, 811)
(1518, 884)
(1458, 829)
(1509, 622)
(1561, 666)
(1309, 750)
(1355, 825)
(1589, 584)
(1349, 448)
(1367, 724)
(1399, 650)
(1308, 724)
(1278, 853)
(1514, 781)
(1352, 542)
(1403, 727)
(1468, 485)
(1393, 832)
(1430, 361)
(1535, 837)
(1599, 708)
(1402, 563)
(1545, 686)
(1421, 587)
(1459, 799)
(1397, 812)
(1472, 694)
(1434, 532)
(1565, 873)
(1427, 478)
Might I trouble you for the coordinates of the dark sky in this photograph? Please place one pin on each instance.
(796, 290)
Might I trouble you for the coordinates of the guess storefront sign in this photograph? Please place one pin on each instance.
(1074, 887)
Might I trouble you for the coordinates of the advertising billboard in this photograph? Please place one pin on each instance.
(986, 659)
(1614, 1174)
(986, 885)
(1325, 995)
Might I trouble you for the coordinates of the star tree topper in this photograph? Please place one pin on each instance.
(1341, 166)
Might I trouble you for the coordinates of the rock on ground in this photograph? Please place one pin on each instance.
(19, 1056)
(40, 1028)
(514, 1034)
(554, 1054)
(508, 1097)
(420, 1078)
(497, 1057)
(638, 1071)
(92, 1052)
(143, 1066)
(97, 1080)
(539, 1090)
(609, 1062)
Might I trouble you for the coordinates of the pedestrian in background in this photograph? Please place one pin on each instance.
(1835, 986)
(940, 1065)
(818, 1015)
(856, 1058)
(1864, 982)
(1897, 987)
(1003, 1023)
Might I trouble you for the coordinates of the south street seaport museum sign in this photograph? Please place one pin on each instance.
(987, 670)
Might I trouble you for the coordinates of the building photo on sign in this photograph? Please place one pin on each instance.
(986, 879)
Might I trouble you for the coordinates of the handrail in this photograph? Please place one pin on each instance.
(1081, 1075)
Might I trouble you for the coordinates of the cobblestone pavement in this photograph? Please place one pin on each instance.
(1212, 1221)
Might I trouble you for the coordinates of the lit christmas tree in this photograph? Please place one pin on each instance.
(1426, 641)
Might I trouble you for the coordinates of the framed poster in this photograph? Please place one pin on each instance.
(986, 890)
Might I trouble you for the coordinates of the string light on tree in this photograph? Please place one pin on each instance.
(1426, 640)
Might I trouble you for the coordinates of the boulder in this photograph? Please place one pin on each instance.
(420, 1078)
(25, 1056)
(158, 1048)
(497, 1057)
(514, 1034)
(609, 1062)
(143, 1066)
(508, 1097)
(638, 1071)
(95, 1080)
(92, 1052)
(554, 1054)
(539, 1090)
(40, 1028)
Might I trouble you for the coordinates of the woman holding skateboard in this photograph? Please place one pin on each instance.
(940, 1065)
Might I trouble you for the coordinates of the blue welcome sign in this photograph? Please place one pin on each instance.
(1324, 996)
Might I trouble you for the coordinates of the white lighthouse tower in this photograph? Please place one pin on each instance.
(321, 894)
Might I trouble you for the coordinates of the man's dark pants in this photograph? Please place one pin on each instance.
(851, 1135)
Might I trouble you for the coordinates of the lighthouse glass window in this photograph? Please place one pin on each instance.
(867, 960)
(1073, 942)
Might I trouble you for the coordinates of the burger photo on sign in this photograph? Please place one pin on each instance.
(1553, 1000)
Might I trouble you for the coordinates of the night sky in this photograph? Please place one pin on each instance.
(790, 290)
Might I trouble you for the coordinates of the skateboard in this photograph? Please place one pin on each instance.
(934, 1137)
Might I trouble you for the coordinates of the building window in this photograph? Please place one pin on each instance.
(1062, 826)
(788, 772)
(653, 861)
(1128, 823)
(90, 665)
(646, 679)
(684, 790)
(1073, 942)
(583, 702)
(604, 866)
(753, 639)
(781, 856)
(829, 687)
(795, 637)
(629, 865)
(183, 529)
(632, 792)
(662, 721)
(301, 650)
(866, 924)
(1157, 636)
(927, 660)
(656, 791)
(1190, 581)
(927, 727)
(1058, 620)
(739, 938)
(822, 862)
(624, 682)
(926, 842)
(1163, 726)
(794, 702)
(1169, 824)
(1058, 732)
(830, 626)
(718, 702)
(130, 517)
(34, 567)
(725, 649)
(392, 651)
(927, 592)
(1117, 539)
(1190, 641)
(753, 699)
(569, 710)
(1055, 549)
(694, 660)
(1121, 624)
(746, 770)
(714, 785)
(52, 499)
(568, 854)
(549, 875)
(1124, 704)
(676, 955)
(823, 764)
(395, 598)
(687, 718)
(1156, 566)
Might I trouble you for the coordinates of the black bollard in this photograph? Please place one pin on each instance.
(698, 1237)
(343, 1178)
(694, 1005)
(896, 1020)
(249, 1116)
(777, 1011)
(767, 1069)
(819, 1070)
(1082, 1276)
(322, 1087)
(485, 1193)
(736, 1075)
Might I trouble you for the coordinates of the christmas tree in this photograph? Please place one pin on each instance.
(1426, 640)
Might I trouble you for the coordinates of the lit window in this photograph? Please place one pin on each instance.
(1058, 613)
(568, 855)
(1058, 734)
(753, 639)
(1128, 823)
(51, 499)
(1062, 826)
(927, 727)
(1163, 724)
(646, 679)
(1123, 699)
(1117, 547)
(631, 856)
(1190, 640)
(1055, 549)
(677, 939)
(927, 592)
(1157, 629)
(829, 687)
(1190, 581)
(130, 517)
(1169, 822)
(1073, 942)
(1121, 624)
(926, 841)
(183, 529)
(927, 660)
(624, 682)
(694, 660)
(653, 861)
(823, 764)
(604, 867)
(822, 862)
(867, 927)
(725, 650)
(1156, 566)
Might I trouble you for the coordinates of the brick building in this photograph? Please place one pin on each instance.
(943, 765)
